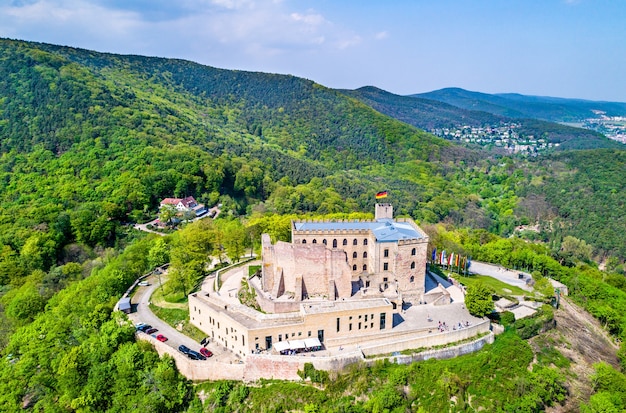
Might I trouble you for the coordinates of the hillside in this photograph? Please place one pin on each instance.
(90, 142)
(435, 111)
(514, 105)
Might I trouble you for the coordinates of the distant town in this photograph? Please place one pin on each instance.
(613, 127)
(504, 136)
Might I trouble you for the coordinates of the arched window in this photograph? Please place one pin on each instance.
(412, 278)
(413, 265)
(314, 241)
(324, 241)
(365, 241)
(354, 254)
(304, 241)
(345, 241)
(334, 243)
(413, 251)
(354, 241)
(364, 254)
(364, 267)
(354, 267)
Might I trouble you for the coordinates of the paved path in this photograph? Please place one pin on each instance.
(143, 314)
(144, 227)
(500, 273)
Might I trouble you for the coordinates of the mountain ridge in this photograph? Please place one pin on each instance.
(516, 105)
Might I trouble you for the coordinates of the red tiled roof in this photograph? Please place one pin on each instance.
(170, 201)
(188, 202)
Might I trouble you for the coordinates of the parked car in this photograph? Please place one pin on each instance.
(152, 330)
(138, 326)
(143, 284)
(161, 338)
(194, 355)
(205, 352)
(145, 327)
(184, 349)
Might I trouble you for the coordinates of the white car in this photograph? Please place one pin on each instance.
(143, 284)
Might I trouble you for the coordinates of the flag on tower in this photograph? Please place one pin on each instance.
(382, 194)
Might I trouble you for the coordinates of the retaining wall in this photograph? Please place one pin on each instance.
(270, 366)
(198, 370)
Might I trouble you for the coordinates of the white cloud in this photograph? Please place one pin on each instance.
(381, 35)
(226, 27)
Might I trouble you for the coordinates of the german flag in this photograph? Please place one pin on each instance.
(381, 195)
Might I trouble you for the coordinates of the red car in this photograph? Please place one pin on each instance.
(161, 338)
(205, 352)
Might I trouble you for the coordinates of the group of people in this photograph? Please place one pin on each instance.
(444, 327)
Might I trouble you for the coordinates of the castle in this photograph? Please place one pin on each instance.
(338, 283)
(336, 259)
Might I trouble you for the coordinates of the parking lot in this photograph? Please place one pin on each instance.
(175, 338)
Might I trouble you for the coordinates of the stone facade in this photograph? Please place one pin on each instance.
(302, 271)
(243, 330)
(385, 256)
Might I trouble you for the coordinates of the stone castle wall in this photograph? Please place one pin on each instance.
(309, 270)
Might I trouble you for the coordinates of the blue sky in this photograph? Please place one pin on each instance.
(563, 48)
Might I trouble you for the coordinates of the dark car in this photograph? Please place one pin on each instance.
(194, 355)
(144, 327)
(151, 330)
(205, 352)
(184, 349)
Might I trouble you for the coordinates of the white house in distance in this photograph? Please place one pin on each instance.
(185, 204)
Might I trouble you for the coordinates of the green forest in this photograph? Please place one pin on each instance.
(91, 142)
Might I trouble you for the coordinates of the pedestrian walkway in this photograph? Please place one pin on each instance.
(501, 273)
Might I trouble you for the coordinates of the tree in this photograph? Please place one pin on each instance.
(478, 300)
(167, 213)
(159, 254)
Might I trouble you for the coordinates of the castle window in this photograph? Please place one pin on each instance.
(314, 241)
(350, 326)
(382, 320)
(304, 241)
(324, 241)
(354, 267)
(345, 241)
(386, 253)
(367, 284)
(365, 241)
(365, 254)
(354, 241)
(354, 254)
(334, 243)
(413, 265)
(385, 266)
(412, 278)
(413, 251)
(338, 324)
(359, 326)
(385, 279)
(364, 267)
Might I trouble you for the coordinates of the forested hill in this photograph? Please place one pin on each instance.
(89, 140)
(438, 112)
(520, 106)
(293, 113)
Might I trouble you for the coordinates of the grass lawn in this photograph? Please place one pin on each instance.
(500, 288)
(176, 316)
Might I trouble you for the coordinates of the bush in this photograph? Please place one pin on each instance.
(507, 318)
(316, 376)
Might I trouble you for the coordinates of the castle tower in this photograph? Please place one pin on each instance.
(384, 211)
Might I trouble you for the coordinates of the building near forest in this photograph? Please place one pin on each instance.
(338, 283)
